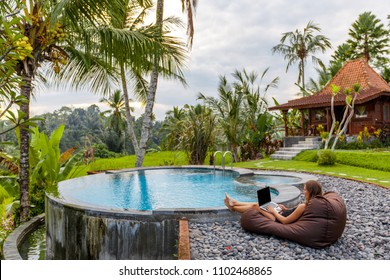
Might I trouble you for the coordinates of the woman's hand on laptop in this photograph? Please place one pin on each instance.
(271, 209)
(282, 207)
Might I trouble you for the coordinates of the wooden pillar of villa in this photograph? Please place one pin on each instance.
(285, 122)
(302, 122)
(328, 124)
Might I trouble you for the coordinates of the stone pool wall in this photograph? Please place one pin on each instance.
(15, 239)
(73, 233)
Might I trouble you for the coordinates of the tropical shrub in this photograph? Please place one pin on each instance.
(241, 113)
(326, 157)
(101, 151)
(197, 133)
(6, 215)
(47, 165)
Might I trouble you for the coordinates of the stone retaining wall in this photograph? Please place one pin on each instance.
(16, 238)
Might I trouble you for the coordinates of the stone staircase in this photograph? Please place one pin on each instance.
(287, 153)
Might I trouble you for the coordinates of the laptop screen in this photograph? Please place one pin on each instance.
(264, 195)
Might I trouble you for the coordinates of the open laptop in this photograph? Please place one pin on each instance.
(264, 198)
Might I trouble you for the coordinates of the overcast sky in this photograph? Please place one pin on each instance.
(237, 34)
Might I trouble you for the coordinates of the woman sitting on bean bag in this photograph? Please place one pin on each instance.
(287, 216)
(317, 222)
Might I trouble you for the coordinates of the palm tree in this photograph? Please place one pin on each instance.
(238, 106)
(369, 38)
(251, 83)
(189, 6)
(197, 133)
(297, 46)
(40, 34)
(227, 109)
(55, 32)
(115, 119)
(315, 86)
(172, 127)
(168, 62)
(8, 80)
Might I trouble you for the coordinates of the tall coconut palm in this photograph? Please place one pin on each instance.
(55, 32)
(115, 119)
(189, 6)
(41, 35)
(298, 46)
(167, 60)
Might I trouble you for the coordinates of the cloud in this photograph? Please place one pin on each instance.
(239, 34)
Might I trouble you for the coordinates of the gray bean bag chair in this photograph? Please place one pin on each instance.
(320, 225)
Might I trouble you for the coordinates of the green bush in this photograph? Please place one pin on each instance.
(373, 143)
(101, 151)
(354, 145)
(326, 157)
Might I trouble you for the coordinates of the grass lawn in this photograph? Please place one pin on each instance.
(367, 166)
(151, 159)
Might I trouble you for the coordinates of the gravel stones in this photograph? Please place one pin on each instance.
(366, 235)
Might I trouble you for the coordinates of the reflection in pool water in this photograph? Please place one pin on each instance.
(34, 247)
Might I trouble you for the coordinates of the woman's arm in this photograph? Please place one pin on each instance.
(290, 218)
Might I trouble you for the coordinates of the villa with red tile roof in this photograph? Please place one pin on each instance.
(372, 105)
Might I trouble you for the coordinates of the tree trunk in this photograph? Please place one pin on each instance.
(303, 75)
(343, 128)
(130, 123)
(147, 121)
(333, 123)
(24, 173)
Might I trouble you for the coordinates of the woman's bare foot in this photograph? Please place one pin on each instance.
(227, 203)
(229, 199)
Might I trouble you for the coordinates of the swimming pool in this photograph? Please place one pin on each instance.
(134, 214)
(162, 188)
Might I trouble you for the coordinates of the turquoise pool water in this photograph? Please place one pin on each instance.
(158, 189)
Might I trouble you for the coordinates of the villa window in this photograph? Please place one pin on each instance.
(361, 112)
(386, 113)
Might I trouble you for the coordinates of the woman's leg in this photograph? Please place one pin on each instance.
(241, 207)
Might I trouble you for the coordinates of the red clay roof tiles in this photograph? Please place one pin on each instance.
(353, 72)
